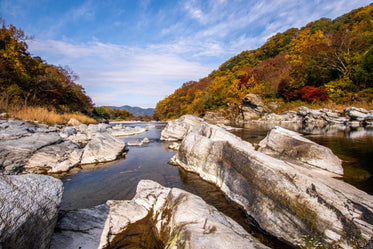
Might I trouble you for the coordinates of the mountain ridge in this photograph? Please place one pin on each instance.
(326, 60)
(135, 110)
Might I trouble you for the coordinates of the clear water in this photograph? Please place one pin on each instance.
(93, 185)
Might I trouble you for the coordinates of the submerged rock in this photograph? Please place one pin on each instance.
(28, 210)
(292, 146)
(176, 219)
(286, 199)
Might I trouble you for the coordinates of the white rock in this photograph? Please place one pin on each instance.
(28, 210)
(292, 146)
(177, 217)
(287, 200)
(176, 130)
(55, 158)
(102, 148)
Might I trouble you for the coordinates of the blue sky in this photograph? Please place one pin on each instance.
(129, 52)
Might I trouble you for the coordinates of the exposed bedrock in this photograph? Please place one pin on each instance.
(29, 148)
(176, 219)
(28, 210)
(288, 200)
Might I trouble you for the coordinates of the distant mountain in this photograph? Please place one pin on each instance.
(137, 111)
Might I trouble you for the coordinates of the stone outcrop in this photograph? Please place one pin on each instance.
(176, 130)
(175, 219)
(80, 228)
(217, 117)
(253, 107)
(55, 158)
(317, 118)
(53, 149)
(292, 146)
(286, 199)
(19, 141)
(28, 210)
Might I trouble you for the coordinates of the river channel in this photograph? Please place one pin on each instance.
(94, 185)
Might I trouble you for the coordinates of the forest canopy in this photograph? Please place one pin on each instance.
(29, 81)
(325, 60)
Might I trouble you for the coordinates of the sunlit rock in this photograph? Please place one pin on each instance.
(177, 219)
(55, 158)
(287, 200)
(253, 107)
(292, 146)
(176, 130)
(102, 148)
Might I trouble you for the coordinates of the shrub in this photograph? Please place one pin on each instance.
(307, 93)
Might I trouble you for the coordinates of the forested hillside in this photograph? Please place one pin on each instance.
(325, 60)
(30, 81)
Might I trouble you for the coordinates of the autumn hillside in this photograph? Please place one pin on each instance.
(30, 81)
(327, 60)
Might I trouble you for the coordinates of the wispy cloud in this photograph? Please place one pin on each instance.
(148, 71)
(140, 51)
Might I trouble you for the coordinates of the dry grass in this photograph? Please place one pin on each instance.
(45, 116)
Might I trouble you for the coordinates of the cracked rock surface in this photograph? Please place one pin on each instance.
(28, 210)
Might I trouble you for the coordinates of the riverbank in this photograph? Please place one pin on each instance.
(124, 175)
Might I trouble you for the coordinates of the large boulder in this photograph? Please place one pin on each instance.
(292, 146)
(28, 210)
(253, 107)
(286, 199)
(103, 148)
(171, 218)
(80, 228)
(176, 130)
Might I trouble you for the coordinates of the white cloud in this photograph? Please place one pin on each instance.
(190, 40)
(149, 72)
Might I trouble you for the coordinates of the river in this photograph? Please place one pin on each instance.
(93, 185)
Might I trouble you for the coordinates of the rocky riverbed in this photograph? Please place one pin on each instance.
(287, 184)
(29, 148)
